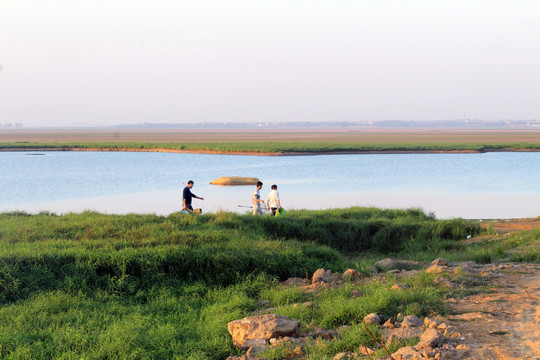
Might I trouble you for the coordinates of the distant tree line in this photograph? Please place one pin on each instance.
(460, 123)
(11, 125)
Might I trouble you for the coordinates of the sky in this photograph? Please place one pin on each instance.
(111, 62)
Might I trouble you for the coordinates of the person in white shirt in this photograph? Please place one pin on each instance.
(256, 200)
(272, 201)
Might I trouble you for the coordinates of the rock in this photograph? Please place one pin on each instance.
(391, 323)
(462, 347)
(352, 274)
(344, 356)
(407, 352)
(400, 287)
(286, 340)
(262, 326)
(390, 264)
(397, 335)
(366, 350)
(435, 269)
(430, 338)
(243, 357)
(235, 180)
(442, 326)
(430, 323)
(357, 293)
(253, 342)
(439, 280)
(372, 319)
(452, 331)
(256, 350)
(322, 276)
(440, 262)
(411, 321)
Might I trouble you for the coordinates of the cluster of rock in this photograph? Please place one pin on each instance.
(438, 267)
(437, 339)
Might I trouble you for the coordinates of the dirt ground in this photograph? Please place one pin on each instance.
(504, 322)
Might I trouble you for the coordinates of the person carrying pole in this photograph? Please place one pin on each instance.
(272, 201)
(256, 200)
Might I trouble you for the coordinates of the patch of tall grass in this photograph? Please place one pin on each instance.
(132, 286)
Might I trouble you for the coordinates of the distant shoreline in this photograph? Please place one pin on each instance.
(284, 153)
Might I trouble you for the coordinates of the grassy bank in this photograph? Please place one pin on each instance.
(100, 286)
(275, 147)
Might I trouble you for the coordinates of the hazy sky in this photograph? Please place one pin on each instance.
(112, 62)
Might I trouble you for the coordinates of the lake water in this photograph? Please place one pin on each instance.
(491, 185)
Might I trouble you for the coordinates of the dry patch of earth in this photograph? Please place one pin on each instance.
(503, 323)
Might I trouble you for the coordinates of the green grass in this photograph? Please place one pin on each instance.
(97, 286)
(274, 147)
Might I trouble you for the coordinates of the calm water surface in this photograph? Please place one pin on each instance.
(451, 185)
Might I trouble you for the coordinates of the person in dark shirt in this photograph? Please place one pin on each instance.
(188, 195)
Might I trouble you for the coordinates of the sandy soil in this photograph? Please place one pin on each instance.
(503, 323)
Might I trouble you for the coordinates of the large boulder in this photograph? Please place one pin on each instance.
(262, 327)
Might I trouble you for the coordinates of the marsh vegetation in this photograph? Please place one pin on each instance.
(143, 286)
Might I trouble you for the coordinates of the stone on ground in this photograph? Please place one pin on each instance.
(256, 350)
(372, 319)
(352, 274)
(407, 353)
(430, 323)
(411, 321)
(322, 276)
(400, 286)
(262, 327)
(436, 269)
(430, 338)
(344, 356)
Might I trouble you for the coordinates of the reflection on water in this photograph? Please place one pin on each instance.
(494, 185)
